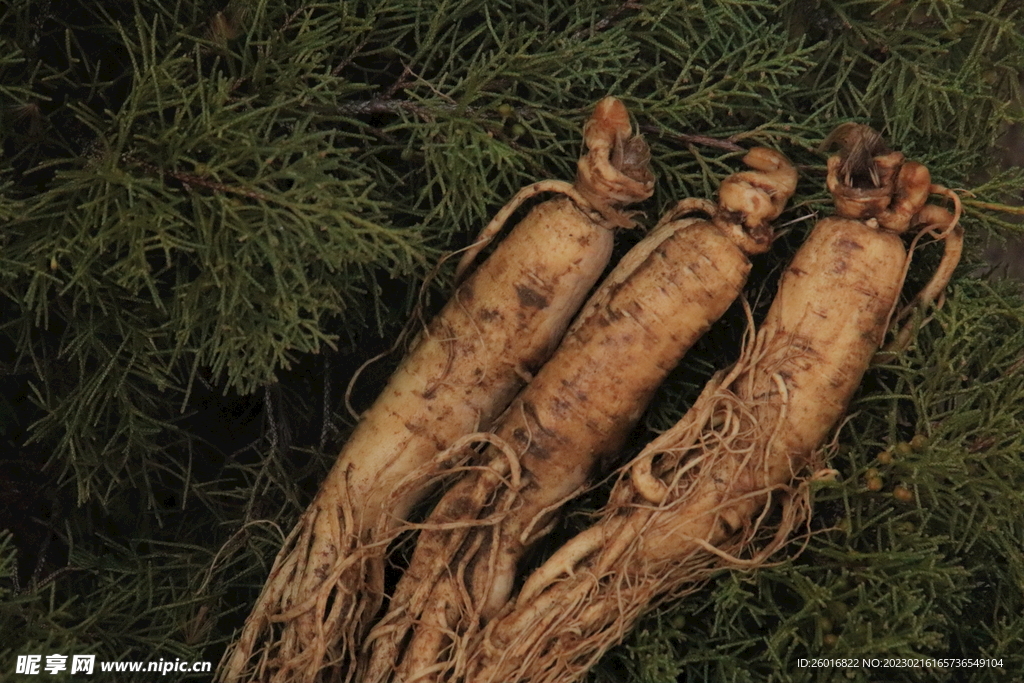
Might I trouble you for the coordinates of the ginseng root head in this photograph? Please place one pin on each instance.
(858, 146)
(750, 200)
(616, 169)
(868, 180)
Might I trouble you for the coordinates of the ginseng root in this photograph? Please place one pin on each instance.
(727, 485)
(573, 417)
(500, 326)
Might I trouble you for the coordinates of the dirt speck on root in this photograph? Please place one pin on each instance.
(531, 298)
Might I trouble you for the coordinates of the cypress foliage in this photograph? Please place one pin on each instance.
(211, 214)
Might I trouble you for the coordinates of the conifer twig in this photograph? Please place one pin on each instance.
(1002, 208)
(727, 144)
(607, 21)
(190, 179)
(348, 60)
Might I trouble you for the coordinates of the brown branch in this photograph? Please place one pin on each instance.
(383, 105)
(355, 52)
(727, 144)
(607, 21)
(189, 180)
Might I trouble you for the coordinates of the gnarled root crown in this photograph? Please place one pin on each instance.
(616, 169)
(867, 180)
(749, 201)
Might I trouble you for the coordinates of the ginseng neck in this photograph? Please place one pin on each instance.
(612, 178)
(749, 201)
(751, 241)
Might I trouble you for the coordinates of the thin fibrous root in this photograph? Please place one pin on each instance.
(939, 223)
(492, 229)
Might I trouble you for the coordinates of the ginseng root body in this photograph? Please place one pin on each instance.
(500, 326)
(575, 414)
(697, 498)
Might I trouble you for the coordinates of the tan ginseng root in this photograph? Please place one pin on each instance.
(576, 412)
(500, 326)
(727, 485)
